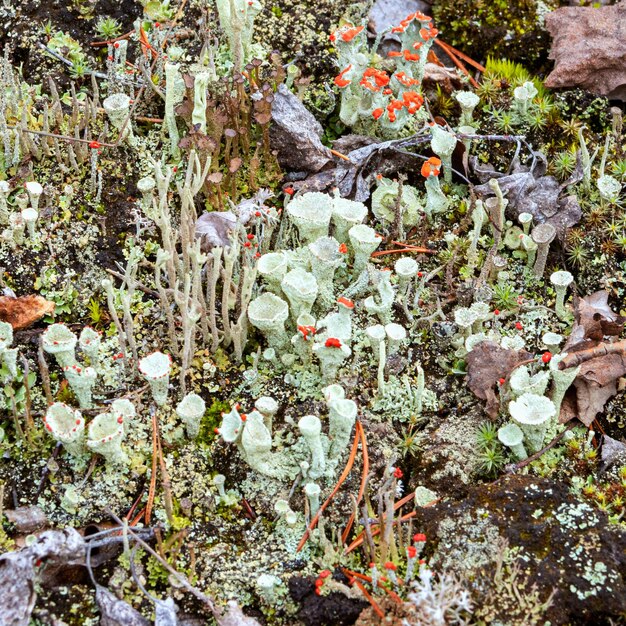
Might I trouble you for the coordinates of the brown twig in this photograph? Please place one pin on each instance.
(403, 250)
(369, 598)
(468, 60)
(574, 359)
(341, 156)
(456, 61)
(152, 490)
(361, 537)
(513, 467)
(364, 475)
(342, 478)
(356, 575)
(97, 44)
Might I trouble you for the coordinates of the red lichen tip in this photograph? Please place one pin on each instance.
(397, 473)
(431, 167)
(325, 573)
(333, 342)
(346, 302)
(419, 538)
(518, 325)
(411, 552)
(390, 566)
(546, 357)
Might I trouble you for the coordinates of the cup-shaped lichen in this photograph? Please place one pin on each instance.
(467, 101)
(82, 381)
(443, 144)
(341, 418)
(155, 368)
(191, 411)
(89, 342)
(532, 414)
(268, 313)
(105, 435)
(512, 437)
(301, 289)
(561, 281)
(311, 213)
(273, 267)
(117, 108)
(123, 410)
(60, 341)
(267, 407)
(6, 336)
(406, 269)
(325, 259)
(34, 190)
(311, 428)
(66, 425)
(346, 214)
(364, 242)
(521, 381)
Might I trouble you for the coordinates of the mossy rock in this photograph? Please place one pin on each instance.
(558, 543)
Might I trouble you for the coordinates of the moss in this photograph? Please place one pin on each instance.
(211, 420)
(506, 29)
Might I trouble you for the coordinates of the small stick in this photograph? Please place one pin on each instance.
(369, 598)
(513, 467)
(97, 44)
(457, 62)
(341, 156)
(64, 137)
(152, 490)
(364, 476)
(402, 250)
(341, 480)
(578, 358)
(462, 55)
(30, 424)
(368, 579)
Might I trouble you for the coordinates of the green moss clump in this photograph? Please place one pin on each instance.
(505, 29)
(211, 420)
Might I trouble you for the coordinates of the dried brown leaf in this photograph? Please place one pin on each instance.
(23, 311)
(486, 364)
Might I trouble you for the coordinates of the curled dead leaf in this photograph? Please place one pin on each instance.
(23, 311)
(487, 363)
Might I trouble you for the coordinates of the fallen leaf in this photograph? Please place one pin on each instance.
(594, 314)
(590, 399)
(529, 190)
(23, 311)
(215, 228)
(487, 363)
(589, 49)
(18, 592)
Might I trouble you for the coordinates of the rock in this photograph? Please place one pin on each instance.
(589, 49)
(296, 134)
(533, 534)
